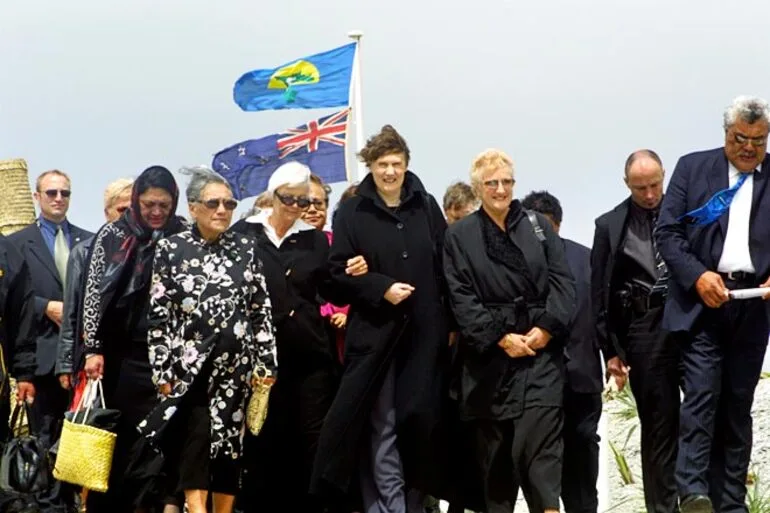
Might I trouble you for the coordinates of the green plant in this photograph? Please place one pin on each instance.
(757, 500)
(627, 410)
(622, 464)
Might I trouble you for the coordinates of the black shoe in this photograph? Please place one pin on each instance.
(695, 504)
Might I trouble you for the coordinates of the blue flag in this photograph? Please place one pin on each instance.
(319, 144)
(321, 80)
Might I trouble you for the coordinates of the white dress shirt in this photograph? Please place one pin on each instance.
(262, 218)
(735, 252)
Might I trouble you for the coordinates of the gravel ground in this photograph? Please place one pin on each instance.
(629, 498)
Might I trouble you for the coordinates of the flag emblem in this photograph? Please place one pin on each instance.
(319, 144)
(330, 130)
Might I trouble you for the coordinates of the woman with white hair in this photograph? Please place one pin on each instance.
(209, 328)
(295, 257)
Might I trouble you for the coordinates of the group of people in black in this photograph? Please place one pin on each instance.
(412, 354)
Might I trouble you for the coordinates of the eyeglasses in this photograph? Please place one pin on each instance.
(319, 204)
(213, 204)
(755, 141)
(152, 205)
(121, 209)
(52, 193)
(289, 200)
(493, 185)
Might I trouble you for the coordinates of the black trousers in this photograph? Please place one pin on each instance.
(51, 401)
(526, 453)
(653, 356)
(723, 359)
(580, 467)
(277, 464)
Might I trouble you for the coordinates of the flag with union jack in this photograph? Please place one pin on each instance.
(319, 144)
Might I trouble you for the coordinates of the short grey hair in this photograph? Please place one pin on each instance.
(201, 176)
(748, 108)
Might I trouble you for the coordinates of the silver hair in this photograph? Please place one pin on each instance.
(201, 176)
(748, 108)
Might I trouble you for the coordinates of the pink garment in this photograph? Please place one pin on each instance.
(329, 309)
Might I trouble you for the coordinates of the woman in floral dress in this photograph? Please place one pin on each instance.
(210, 327)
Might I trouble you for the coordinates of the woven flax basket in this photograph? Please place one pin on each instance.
(16, 207)
(85, 452)
(85, 456)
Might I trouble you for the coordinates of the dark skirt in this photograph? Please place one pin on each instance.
(192, 451)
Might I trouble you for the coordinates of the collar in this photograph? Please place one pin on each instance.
(262, 219)
(263, 215)
(47, 223)
(732, 170)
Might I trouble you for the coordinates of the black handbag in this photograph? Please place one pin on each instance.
(24, 465)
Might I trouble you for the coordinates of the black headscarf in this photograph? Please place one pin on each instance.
(120, 265)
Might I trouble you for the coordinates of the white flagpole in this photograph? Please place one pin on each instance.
(357, 104)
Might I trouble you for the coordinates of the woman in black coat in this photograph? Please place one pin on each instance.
(381, 424)
(513, 297)
(294, 255)
(115, 306)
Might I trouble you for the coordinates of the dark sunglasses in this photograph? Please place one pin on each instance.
(52, 193)
(319, 204)
(213, 204)
(289, 200)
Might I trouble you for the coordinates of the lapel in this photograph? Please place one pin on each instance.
(39, 249)
(76, 236)
(718, 180)
(616, 224)
(760, 183)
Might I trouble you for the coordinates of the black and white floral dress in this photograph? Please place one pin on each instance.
(210, 315)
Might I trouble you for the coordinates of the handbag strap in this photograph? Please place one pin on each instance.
(20, 411)
(93, 390)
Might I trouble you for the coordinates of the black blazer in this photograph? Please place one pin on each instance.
(689, 250)
(17, 333)
(47, 285)
(584, 370)
(607, 238)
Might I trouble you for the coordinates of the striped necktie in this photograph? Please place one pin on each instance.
(661, 284)
(61, 253)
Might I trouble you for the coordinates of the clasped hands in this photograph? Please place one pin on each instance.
(517, 346)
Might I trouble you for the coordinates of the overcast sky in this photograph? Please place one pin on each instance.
(568, 89)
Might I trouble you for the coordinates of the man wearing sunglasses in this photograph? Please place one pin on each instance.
(45, 246)
(714, 235)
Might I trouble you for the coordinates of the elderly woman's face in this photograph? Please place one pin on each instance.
(213, 213)
(316, 213)
(155, 207)
(291, 202)
(496, 189)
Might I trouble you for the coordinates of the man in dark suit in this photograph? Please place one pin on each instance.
(628, 289)
(714, 235)
(45, 245)
(583, 393)
(17, 336)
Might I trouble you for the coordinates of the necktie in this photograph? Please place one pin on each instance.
(61, 253)
(661, 284)
(714, 207)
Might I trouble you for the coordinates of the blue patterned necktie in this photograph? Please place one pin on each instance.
(716, 206)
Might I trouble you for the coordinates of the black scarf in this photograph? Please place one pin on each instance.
(129, 250)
